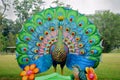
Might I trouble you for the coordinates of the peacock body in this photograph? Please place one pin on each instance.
(58, 36)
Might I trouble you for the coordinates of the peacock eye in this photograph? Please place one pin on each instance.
(50, 42)
(92, 51)
(38, 44)
(71, 19)
(71, 46)
(80, 24)
(66, 39)
(27, 39)
(69, 43)
(90, 41)
(80, 45)
(47, 51)
(52, 29)
(71, 51)
(25, 49)
(39, 23)
(82, 52)
(49, 18)
(41, 37)
(53, 40)
(48, 46)
(73, 33)
(36, 51)
(32, 30)
(26, 59)
(46, 33)
(86, 32)
(67, 29)
(77, 39)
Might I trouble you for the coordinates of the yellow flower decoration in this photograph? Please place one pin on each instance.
(29, 72)
(91, 75)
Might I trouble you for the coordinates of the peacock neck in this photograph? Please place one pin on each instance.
(59, 43)
(59, 52)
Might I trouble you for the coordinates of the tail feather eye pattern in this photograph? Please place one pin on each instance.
(41, 38)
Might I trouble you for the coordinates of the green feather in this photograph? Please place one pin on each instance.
(24, 35)
(38, 17)
(95, 39)
(72, 13)
(99, 51)
(20, 59)
(60, 12)
(20, 47)
(82, 19)
(29, 25)
(93, 30)
(50, 12)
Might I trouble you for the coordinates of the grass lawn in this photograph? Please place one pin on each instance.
(109, 68)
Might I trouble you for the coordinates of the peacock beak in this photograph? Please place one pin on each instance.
(60, 27)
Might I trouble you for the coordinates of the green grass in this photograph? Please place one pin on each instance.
(115, 51)
(109, 68)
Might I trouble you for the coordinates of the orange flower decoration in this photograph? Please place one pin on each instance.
(90, 74)
(29, 72)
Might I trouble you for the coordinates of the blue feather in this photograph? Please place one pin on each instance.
(44, 62)
(81, 61)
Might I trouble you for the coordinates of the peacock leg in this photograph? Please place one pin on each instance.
(54, 69)
(55, 66)
(61, 71)
(62, 66)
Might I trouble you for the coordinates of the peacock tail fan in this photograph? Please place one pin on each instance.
(40, 32)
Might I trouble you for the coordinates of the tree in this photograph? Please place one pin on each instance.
(7, 28)
(17, 26)
(6, 4)
(58, 3)
(109, 26)
(3, 42)
(11, 39)
(25, 8)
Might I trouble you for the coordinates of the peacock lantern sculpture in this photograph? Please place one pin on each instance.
(58, 36)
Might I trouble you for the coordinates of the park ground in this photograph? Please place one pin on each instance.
(108, 69)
